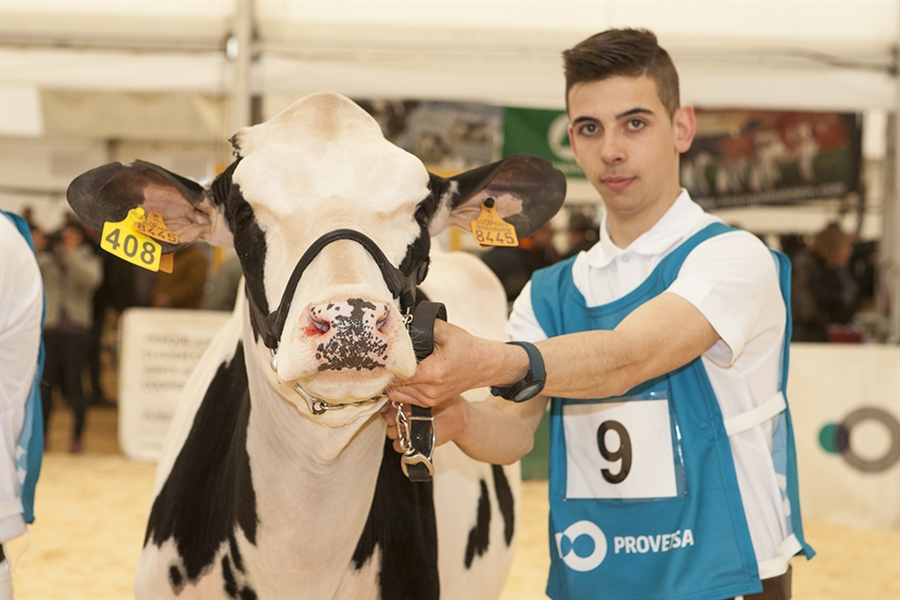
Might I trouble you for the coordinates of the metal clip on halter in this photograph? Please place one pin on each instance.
(416, 432)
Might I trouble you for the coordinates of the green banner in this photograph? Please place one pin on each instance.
(540, 132)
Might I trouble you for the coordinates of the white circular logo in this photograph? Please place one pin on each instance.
(558, 138)
(572, 533)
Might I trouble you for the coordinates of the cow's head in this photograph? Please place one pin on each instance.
(319, 166)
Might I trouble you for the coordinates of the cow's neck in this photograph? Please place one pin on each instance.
(312, 481)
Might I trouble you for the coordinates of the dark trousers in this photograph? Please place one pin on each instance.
(65, 358)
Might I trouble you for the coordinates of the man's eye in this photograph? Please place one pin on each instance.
(588, 129)
(636, 125)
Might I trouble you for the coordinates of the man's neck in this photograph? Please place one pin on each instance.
(625, 228)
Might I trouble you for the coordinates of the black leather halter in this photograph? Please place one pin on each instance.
(416, 461)
(400, 285)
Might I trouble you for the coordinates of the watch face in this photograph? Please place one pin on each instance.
(528, 391)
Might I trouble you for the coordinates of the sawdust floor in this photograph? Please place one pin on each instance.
(92, 507)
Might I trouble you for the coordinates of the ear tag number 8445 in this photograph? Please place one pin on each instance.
(489, 229)
(123, 239)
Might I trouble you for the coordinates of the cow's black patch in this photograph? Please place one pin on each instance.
(235, 552)
(402, 524)
(247, 593)
(479, 536)
(209, 491)
(230, 583)
(505, 502)
(176, 579)
(232, 586)
(249, 241)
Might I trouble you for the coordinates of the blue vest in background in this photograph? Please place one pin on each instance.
(644, 498)
(30, 445)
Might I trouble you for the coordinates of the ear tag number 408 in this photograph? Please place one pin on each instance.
(127, 240)
(489, 229)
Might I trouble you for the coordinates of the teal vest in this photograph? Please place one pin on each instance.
(644, 498)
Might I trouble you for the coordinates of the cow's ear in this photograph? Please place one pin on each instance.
(527, 192)
(107, 193)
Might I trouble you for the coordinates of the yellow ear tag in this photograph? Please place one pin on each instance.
(122, 239)
(154, 226)
(489, 229)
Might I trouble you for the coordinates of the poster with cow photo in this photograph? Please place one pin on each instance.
(754, 157)
(447, 136)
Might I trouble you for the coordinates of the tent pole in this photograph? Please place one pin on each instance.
(243, 38)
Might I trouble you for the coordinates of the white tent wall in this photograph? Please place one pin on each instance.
(103, 80)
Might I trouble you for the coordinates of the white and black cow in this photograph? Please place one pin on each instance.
(258, 497)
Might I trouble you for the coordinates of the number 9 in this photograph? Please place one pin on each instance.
(623, 453)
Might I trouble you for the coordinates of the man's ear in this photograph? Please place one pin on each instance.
(527, 192)
(685, 123)
(107, 193)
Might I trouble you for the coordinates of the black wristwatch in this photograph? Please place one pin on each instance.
(529, 386)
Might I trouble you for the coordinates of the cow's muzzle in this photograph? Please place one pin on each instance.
(400, 284)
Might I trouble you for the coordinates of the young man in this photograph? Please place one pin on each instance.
(672, 472)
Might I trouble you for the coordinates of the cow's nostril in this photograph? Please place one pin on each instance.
(320, 326)
(381, 322)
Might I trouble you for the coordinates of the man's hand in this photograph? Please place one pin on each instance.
(460, 362)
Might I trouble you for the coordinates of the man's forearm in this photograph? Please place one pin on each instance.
(498, 431)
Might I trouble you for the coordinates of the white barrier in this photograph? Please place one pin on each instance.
(845, 404)
(158, 349)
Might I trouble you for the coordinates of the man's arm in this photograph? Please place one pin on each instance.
(661, 335)
(658, 337)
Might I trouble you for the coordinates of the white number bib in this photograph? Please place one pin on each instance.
(619, 450)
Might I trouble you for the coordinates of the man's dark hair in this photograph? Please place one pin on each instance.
(623, 52)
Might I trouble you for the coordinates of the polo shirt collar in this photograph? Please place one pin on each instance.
(671, 228)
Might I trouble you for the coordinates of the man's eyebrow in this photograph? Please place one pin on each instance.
(582, 120)
(634, 111)
(627, 113)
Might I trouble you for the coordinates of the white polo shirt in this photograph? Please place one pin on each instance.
(21, 305)
(732, 280)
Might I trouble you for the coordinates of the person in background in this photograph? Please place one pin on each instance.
(823, 291)
(662, 354)
(71, 271)
(21, 439)
(583, 233)
(224, 289)
(184, 286)
(514, 265)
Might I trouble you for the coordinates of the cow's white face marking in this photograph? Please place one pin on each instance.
(323, 164)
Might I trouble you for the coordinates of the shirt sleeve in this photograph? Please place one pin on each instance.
(523, 324)
(732, 280)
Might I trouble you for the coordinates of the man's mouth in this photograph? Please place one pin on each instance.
(617, 183)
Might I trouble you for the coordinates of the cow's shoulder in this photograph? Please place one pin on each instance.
(208, 492)
(473, 295)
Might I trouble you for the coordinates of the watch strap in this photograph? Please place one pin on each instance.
(536, 372)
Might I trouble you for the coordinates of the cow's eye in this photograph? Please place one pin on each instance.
(421, 214)
(245, 213)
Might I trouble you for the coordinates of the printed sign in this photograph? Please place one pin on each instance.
(619, 450)
(159, 349)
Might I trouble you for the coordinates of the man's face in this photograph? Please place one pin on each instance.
(628, 146)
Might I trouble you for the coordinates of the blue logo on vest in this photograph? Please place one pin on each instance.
(582, 546)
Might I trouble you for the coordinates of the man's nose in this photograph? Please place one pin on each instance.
(612, 150)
